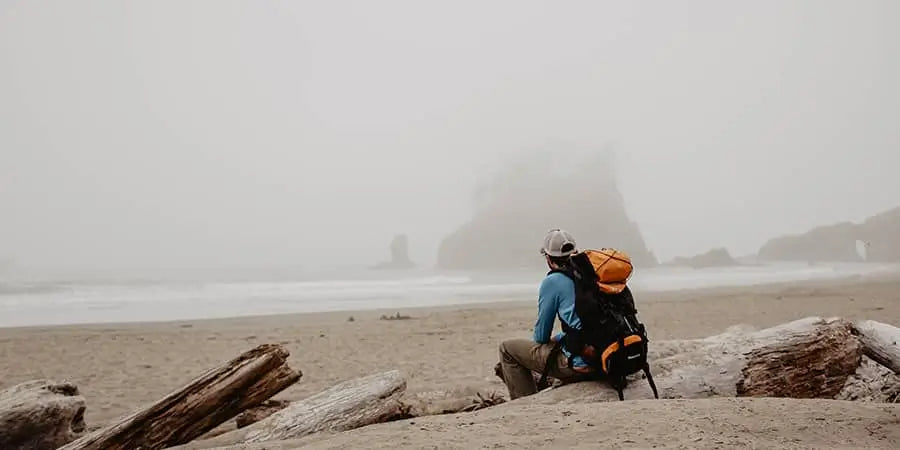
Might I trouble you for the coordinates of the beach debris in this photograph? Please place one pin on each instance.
(352, 404)
(482, 402)
(41, 414)
(211, 399)
(350, 319)
(397, 316)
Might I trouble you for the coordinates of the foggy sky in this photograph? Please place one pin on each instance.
(223, 133)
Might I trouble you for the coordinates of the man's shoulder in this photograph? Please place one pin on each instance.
(557, 280)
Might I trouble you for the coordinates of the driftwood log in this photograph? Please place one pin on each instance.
(348, 405)
(211, 399)
(257, 413)
(40, 414)
(807, 358)
(880, 342)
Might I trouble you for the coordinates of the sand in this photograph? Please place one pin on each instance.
(121, 367)
(708, 423)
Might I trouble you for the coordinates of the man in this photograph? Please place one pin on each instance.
(556, 298)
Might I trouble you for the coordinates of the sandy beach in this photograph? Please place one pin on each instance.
(121, 367)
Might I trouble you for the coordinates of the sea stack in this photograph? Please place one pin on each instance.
(399, 254)
(717, 257)
(531, 195)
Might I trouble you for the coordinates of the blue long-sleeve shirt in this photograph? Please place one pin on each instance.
(556, 298)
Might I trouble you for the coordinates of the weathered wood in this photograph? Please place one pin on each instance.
(872, 382)
(348, 405)
(807, 358)
(40, 414)
(880, 342)
(208, 401)
(257, 413)
(804, 365)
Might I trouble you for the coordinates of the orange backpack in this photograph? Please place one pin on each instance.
(612, 267)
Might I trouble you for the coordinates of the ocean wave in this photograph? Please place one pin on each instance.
(25, 304)
(437, 280)
(29, 288)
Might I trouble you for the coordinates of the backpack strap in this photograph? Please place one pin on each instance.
(618, 383)
(650, 380)
(554, 354)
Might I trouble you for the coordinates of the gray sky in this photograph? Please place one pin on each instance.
(197, 133)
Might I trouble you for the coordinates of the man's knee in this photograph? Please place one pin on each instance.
(516, 350)
(504, 351)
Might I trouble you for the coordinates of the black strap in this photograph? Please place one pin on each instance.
(553, 356)
(650, 380)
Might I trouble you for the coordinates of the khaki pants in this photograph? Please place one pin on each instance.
(519, 357)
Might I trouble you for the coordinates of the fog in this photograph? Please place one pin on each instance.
(173, 134)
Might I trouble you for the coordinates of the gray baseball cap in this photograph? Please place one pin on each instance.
(558, 243)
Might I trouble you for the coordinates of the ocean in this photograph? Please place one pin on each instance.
(64, 302)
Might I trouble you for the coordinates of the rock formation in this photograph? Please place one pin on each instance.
(839, 242)
(880, 233)
(399, 254)
(532, 195)
(717, 257)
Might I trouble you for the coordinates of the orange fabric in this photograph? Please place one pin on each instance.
(613, 268)
(633, 339)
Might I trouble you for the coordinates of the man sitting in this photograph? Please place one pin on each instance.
(556, 298)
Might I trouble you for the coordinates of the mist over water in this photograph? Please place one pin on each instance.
(188, 144)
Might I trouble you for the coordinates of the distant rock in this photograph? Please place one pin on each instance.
(881, 236)
(399, 255)
(828, 243)
(874, 240)
(717, 257)
(532, 195)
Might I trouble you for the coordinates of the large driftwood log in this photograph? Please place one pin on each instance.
(348, 405)
(880, 342)
(206, 402)
(40, 414)
(807, 358)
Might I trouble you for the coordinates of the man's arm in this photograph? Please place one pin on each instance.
(548, 302)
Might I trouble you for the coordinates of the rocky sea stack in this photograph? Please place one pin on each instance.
(399, 254)
(717, 257)
(530, 196)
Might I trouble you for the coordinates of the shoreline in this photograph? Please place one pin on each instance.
(512, 300)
